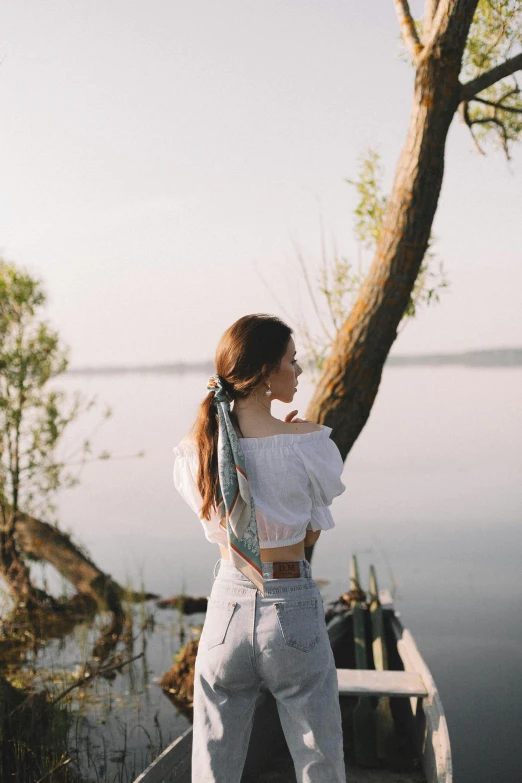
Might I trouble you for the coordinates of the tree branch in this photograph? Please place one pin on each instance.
(311, 290)
(464, 112)
(451, 18)
(429, 15)
(485, 80)
(90, 675)
(500, 124)
(499, 105)
(408, 29)
(514, 91)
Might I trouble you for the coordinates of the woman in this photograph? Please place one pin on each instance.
(261, 488)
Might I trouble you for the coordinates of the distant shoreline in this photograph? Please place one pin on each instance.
(493, 357)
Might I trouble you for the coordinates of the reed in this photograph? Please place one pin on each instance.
(101, 730)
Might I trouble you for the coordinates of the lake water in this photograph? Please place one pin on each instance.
(433, 499)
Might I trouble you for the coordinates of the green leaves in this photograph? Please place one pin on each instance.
(369, 212)
(495, 35)
(494, 115)
(33, 418)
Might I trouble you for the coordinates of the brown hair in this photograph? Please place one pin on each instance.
(246, 354)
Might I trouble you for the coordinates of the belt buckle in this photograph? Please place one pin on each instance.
(286, 569)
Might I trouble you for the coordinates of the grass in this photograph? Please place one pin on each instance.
(107, 731)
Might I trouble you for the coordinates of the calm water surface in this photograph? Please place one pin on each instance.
(433, 499)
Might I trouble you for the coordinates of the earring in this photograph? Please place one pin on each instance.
(268, 391)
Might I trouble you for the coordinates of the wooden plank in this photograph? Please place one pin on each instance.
(173, 765)
(370, 682)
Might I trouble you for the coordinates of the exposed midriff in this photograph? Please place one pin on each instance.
(280, 553)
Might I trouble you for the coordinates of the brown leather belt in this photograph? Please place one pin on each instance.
(286, 569)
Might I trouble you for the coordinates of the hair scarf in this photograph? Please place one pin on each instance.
(234, 497)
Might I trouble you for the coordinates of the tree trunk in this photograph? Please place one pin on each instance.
(15, 571)
(349, 383)
(42, 541)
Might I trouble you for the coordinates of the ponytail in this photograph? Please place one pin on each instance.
(206, 431)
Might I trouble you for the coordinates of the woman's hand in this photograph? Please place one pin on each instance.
(289, 418)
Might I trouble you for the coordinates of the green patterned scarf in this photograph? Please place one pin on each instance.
(234, 496)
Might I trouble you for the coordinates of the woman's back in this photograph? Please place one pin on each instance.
(293, 478)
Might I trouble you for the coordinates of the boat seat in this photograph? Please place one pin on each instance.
(370, 682)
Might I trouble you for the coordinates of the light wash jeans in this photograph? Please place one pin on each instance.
(280, 640)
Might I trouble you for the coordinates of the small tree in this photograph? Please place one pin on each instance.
(32, 420)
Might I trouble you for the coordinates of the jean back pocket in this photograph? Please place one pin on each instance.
(217, 620)
(299, 623)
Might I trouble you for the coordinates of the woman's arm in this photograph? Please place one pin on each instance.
(311, 537)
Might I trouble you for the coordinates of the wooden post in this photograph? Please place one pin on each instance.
(386, 740)
(364, 729)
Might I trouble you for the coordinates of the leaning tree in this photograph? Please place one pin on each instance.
(466, 54)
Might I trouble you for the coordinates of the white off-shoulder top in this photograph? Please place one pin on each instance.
(293, 479)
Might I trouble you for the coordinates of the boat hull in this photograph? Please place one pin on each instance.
(424, 754)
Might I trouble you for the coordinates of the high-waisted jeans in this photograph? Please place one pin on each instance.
(279, 640)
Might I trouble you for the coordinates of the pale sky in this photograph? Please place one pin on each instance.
(157, 156)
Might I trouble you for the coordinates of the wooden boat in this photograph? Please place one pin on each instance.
(393, 722)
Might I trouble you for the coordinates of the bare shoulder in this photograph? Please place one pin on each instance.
(300, 428)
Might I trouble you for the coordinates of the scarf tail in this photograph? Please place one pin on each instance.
(234, 493)
(247, 566)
